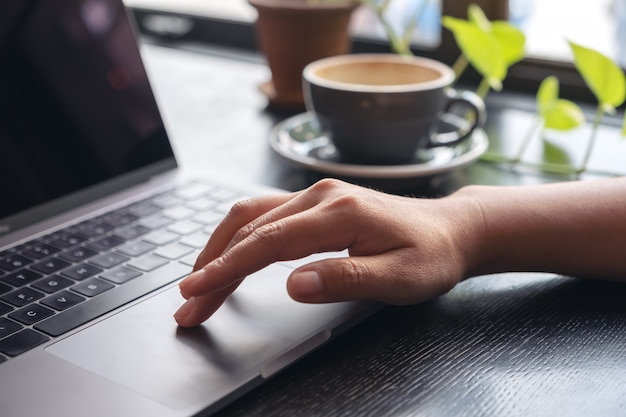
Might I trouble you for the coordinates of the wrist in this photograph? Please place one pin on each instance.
(469, 231)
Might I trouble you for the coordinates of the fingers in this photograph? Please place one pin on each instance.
(240, 214)
(197, 309)
(289, 238)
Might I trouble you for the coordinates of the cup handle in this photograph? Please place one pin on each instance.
(472, 117)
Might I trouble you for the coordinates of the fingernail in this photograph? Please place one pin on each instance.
(307, 285)
(189, 282)
(183, 312)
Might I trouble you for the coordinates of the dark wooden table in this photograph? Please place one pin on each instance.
(501, 345)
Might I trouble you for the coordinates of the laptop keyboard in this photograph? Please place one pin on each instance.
(55, 283)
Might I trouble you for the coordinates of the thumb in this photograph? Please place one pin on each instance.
(392, 277)
(342, 279)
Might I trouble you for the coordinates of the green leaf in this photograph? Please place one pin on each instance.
(563, 115)
(476, 16)
(555, 154)
(557, 114)
(480, 48)
(511, 40)
(602, 75)
(547, 93)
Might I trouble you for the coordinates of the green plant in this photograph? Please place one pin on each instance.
(553, 113)
(490, 47)
(606, 81)
(399, 40)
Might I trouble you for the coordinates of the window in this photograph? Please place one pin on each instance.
(600, 24)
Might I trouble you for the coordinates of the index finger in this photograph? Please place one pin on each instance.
(242, 213)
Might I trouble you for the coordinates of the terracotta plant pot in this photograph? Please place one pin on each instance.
(293, 33)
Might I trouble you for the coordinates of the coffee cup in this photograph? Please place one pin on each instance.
(386, 108)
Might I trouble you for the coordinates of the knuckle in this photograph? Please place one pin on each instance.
(269, 234)
(353, 275)
(327, 184)
(346, 204)
(243, 233)
(241, 207)
(338, 197)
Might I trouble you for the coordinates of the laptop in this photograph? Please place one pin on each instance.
(97, 226)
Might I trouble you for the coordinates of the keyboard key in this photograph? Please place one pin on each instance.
(201, 204)
(20, 278)
(66, 240)
(223, 195)
(131, 232)
(77, 254)
(197, 241)
(62, 300)
(4, 289)
(97, 306)
(148, 263)
(21, 342)
(173, 251)
(119, 218)
(155, 222)
(5, 308)
(41, 251)
(82, 271)
(208, 217)
(178, 213)
(161, 237)
(52, 284)
(185, 227)
(8, 326)
(92, 287)
(190, 260)
(21, 297)
(134, 249)
(105, 243)
(9, 252)
(31, 314)
(108, 260)
(120, 274)
(13, 262)
(93, 228)
(166, 200)
(143, 209)
(50, 266)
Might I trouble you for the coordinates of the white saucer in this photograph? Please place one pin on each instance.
(299, 141)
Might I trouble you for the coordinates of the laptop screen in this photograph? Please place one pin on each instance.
(76, 108)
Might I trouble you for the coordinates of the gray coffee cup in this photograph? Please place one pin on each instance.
(385, 108)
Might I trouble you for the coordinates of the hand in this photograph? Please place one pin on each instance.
(402, 250)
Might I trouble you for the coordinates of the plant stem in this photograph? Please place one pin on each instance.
(594, 133)
(396, 43)
(407, 34)
(460, 65)
(536, 126)
(483, 88)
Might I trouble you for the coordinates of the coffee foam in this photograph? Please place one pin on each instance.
(378, 73)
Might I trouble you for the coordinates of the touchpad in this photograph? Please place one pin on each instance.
(144, 350)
